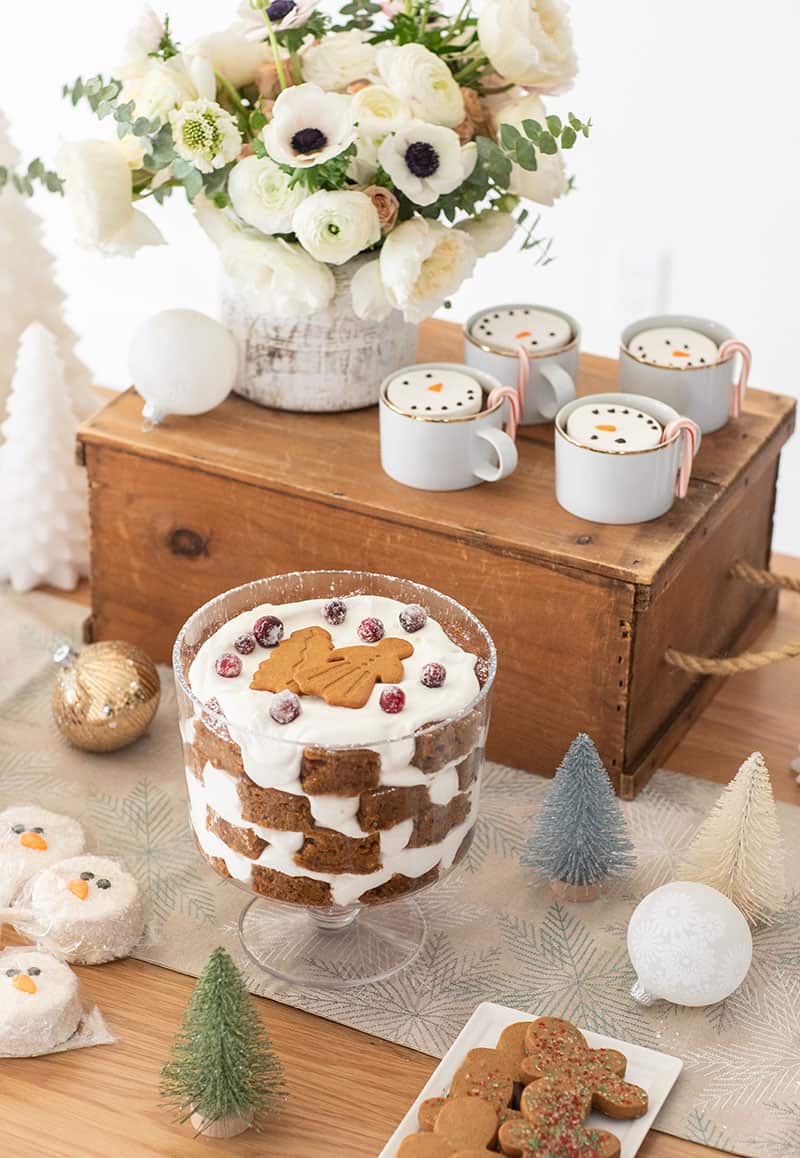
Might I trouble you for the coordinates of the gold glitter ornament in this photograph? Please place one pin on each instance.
(105, 696)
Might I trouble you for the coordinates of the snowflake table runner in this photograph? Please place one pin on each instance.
(496, 932)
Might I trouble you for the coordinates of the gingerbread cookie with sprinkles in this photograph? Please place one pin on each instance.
(554, 1126)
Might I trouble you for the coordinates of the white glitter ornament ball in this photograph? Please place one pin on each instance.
(689, 945)
(182, 362)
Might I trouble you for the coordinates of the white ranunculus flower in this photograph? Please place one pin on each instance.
(232, 54)
(377, 111)
(309, 126)
(425, 161)
(260, 194)
(529, 42)
(160, 86)
(339, 59)
(97, 187)
(205, 134)
(548, 181)
(283, 14)
(422, 263)
(489, 231)
(370, 301)
(335, 226)
(279, 277)
(423, 81)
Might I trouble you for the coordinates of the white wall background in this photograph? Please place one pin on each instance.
(687, 192)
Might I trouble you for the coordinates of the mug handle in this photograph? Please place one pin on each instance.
(507, 457)
(690, 444)
(727, 350)
(562, 390)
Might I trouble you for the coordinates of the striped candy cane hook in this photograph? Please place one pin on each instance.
(514, 409)
(727, 350)
(690, 440)
(523, 375)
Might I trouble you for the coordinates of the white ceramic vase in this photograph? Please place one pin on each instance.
(329, 361)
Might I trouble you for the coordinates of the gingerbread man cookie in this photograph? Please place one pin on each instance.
(557, 1050)
(424, 1146)
(486, 1074)
(428, 1112)
(308, 646)
(467, 1122)
(554, 1127)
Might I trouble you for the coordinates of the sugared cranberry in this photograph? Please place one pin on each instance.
(393, 700)
(268, 630)
(245, 644)
(370, 630)
(433, 675)
(285, 707)
(334, 612)
(228, 665)
(413, 618)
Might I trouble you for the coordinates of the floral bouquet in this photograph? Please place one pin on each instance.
(378, 153)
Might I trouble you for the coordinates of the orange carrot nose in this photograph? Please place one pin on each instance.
(523, 334)
(33, 840)
(611, 428)
(79, 889)
(24, 983)
(436, 387)
(680, 354)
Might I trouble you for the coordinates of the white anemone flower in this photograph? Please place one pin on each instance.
(261, 195)
(205, 134)
(422, 262)
(282, 14)
(426, 161)
(309, 126)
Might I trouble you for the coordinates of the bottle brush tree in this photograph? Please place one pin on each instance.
(223, 1073)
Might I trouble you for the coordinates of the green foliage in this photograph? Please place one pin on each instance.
(522, 146)
(222, 1059)
(359, 14)
(167, 47)
(580, 836)
(331, 175)
(35, 172)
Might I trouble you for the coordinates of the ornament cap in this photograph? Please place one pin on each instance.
(64, 654)
(640, 994)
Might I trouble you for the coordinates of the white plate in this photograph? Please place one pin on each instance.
(655, 1072)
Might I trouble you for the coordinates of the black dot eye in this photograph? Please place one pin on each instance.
(429, 375)
(620, 440)
(534, 342)
(12, 972)
(414, 406)
(18, 828)
(34, 971)
(552, 333)
(595, 412)
(593, 437)
(87, 876)
(612, 410)
(40, 831)
(459, 403)
(103, 883)
(667, 341)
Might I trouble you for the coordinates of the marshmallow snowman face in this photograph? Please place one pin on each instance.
(435, 393)
(85, 889)
(613, 427)
(31, 839)
(39, 1003)
(674, 346)
(509, 327)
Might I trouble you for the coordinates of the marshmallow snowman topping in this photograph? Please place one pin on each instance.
(433, 392)
(617, 428)
(31, 839)
(39, 1003)
(507, 328)
(674, 346)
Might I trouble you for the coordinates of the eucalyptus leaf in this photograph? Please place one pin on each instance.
(547, 144)
(554, 124)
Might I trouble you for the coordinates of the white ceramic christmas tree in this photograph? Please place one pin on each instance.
(28, 291)
(43, 508)
(738, 849)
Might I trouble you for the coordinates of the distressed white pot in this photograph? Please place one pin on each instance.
(325, 362)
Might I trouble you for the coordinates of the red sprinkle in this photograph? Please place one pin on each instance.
(433, 675)
(285, 707)
(370, 630)
(268, 630)
(393, 700)
(245, 644)
(228, 665)
(413, 618)
(334, 612)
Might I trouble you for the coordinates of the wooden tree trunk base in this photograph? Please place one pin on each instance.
(574, 893)
(224, 1128)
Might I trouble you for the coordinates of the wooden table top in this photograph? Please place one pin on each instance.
(348, 1091)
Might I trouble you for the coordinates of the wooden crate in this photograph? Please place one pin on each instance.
(581, 613)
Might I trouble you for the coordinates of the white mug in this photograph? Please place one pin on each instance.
(607, 487)
(547, 379)
(707, 394)
(434, 453)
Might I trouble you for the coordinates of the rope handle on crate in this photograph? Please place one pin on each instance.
(748, 660)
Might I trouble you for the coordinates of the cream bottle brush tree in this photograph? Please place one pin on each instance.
(738, 850)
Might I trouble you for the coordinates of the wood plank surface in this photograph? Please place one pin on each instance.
(348, 1090)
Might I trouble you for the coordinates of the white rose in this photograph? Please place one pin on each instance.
(368, 293)
(339, 59)
(309, 126)
(426, 161)
(232, 55)
(97, 187)
(423, 81)
(205, 135)
(529, 42)
(260, 194)
(335, 226)
(422, 263)
(280, 278)
(548, 181)
(489, 231)
(162, 85)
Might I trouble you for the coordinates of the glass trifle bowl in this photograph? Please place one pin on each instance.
(334, 726)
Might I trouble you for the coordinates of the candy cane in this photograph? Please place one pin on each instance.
(523, 374)
(690, 442)
(497, 395)
(727, 350)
